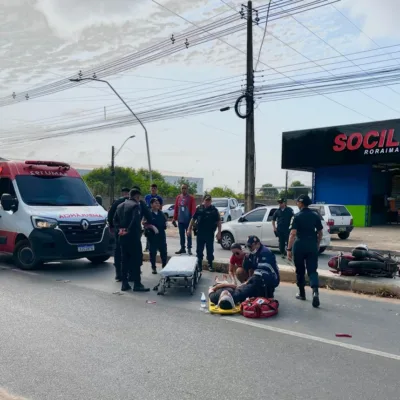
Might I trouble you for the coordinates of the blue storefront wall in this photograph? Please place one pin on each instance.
(349, 185)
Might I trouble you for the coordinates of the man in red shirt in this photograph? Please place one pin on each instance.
(185, 207)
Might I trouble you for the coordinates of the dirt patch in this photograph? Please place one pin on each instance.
(4, 395)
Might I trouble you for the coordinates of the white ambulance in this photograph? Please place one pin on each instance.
(47, 213)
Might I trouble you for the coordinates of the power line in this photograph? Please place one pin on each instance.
(183, 41)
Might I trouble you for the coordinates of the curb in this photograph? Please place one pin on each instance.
(327, 280)
(348, 249)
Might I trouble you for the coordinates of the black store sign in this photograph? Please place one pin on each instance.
(369, 143)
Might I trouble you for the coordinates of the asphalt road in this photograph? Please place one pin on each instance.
(66, 335)
(220, 254)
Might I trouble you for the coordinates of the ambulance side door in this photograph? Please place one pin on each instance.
(8, 223)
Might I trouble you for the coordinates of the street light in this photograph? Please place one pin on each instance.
(123, 144)
(126, 105)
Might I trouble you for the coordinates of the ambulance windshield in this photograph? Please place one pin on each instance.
(54, 191)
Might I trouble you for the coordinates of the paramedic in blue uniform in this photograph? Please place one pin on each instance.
(157, 242)
(110, 219)
(303, 247)
(153, 195)
(128, 218)
(281, 223)
(262, 282)
(208, 221)
(262, 262)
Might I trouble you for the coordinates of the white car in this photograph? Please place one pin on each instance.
(259, 222)
(256, 205)
(168, 210)
(228, 208)
(338, 218)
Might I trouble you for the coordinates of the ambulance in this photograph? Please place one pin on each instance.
(47, 213)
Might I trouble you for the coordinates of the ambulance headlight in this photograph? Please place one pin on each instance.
(222, 213)
(44, 223)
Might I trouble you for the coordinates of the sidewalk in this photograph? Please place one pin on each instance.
(378, 238)
(382, 287)
(381, 239)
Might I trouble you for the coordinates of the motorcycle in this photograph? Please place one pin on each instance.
(363, 262)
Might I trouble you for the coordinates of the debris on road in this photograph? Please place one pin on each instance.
(344, 335)
(150, 302)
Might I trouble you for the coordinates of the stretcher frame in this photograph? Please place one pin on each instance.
(188, 279)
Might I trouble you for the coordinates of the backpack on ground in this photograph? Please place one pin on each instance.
(259, 307)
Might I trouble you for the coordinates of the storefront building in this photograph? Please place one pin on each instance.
(355, 165)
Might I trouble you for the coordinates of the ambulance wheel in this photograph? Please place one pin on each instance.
(98, 259)
(321, 250)
(344, 235)
(24, 257)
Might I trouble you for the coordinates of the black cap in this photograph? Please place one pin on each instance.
(207, 197)
(252, 239)
(281, 200)
(305, 199)
(134, 191)
(125, 189)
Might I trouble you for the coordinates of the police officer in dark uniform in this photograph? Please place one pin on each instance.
(208, 220)
(281, 223)
(110, 219)
(157, 242)
(128, 218)
(305, 238)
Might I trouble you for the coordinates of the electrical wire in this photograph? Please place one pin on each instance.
(274, 92)
(158, 51)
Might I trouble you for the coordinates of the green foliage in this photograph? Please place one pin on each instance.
(268, 191)
(99, 181)
(222, 192)
(295, 190)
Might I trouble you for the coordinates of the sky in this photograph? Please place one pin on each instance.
(42, 41)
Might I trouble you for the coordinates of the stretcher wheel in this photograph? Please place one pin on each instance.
(161, 289)
(192, 286)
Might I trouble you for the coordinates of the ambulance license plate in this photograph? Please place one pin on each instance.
(342, 229)
(86, 248)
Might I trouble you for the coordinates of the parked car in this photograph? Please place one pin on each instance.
(338, 218)
(256, 205)
(228, 208)
(168, 210)
(259, 222)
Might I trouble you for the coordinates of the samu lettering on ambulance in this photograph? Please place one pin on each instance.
(373, 142)
(63, 216)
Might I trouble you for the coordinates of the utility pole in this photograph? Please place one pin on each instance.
(286, 184)
(112, 189)
(250, 175)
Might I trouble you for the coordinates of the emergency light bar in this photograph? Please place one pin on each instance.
(49, 164)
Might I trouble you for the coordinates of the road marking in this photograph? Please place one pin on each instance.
(314, 338)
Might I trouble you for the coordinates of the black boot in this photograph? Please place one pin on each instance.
(302, 293)
(210, 267)
(315, 300)
(190, 252)
(154, 270)
(200, 266)
(140, 288)
(125, 287)
(181, 251)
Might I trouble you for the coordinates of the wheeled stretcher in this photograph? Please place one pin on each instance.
(180, 271)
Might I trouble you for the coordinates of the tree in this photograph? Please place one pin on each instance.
(221, 192)
(99, 181)
(267, 190)
(295, 190)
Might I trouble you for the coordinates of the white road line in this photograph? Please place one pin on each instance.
(314, 338)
